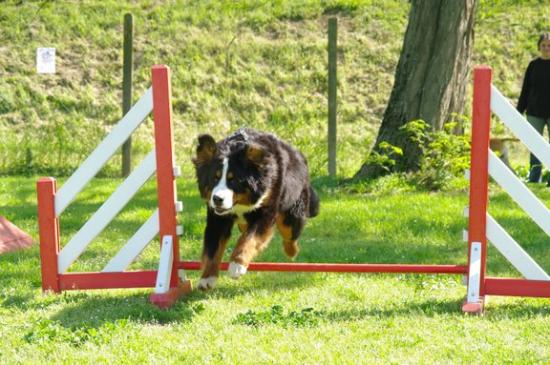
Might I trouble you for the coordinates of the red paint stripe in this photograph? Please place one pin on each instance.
(318, 267)
(517, 287)
(479, 167)
(108, 280)
(48, 226)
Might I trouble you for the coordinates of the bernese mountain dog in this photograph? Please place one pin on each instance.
(257, 181)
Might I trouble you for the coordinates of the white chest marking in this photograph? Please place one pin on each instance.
(239, 210)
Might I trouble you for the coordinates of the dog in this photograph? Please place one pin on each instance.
(257, 181)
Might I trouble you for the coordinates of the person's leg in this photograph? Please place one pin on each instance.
(535, 168)
(548, 129)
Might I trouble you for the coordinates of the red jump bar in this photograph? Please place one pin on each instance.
(517, 287)
(305, 267)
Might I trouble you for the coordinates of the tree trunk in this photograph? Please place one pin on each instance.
(431, 76)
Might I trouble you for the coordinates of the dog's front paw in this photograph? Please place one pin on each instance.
(236, 270)
(207, 283)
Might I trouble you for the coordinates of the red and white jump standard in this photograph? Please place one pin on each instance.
(482, 227)
(52, 202)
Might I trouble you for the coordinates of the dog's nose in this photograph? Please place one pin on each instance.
(217, 200)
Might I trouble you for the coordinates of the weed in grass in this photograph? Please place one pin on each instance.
(306, 317)
(45, 330)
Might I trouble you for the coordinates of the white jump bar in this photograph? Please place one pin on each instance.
(106, 212)
(103, 152)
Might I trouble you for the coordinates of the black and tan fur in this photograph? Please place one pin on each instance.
(258, 182)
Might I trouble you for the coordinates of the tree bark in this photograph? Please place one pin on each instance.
(431, 76)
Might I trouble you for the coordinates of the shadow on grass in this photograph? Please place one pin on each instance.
(91, 310)
(518, 310)
(85, 310)
(426, 308)
(432, 308)
(254, 282)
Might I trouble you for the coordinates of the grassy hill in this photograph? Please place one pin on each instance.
(246, 63)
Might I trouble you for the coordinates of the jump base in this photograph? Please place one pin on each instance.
(168, 299)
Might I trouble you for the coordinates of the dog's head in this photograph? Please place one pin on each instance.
(232, 174)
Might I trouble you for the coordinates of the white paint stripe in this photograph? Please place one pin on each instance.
(135, 245)
(106, 212)
(165, 266)
(513, 252)
(103, 152)
(519, 192)
(474, 276)
(519, 126)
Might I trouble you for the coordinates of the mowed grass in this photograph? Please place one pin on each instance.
(273, 318)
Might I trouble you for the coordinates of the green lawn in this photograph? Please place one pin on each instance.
(277, 318)
(260, 64)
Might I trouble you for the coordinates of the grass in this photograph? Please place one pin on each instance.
(260, 64)
(255, 63)
(292, 318)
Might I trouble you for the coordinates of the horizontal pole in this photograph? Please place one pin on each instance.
(318, 267)
(517, 287)
(108, 280)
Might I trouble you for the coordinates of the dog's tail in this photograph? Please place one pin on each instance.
(313, 203)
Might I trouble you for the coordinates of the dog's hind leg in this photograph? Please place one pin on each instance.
(216, 236)
(290, 228)
(249, 245)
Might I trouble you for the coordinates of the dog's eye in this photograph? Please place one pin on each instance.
(230, 176)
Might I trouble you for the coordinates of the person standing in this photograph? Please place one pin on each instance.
(535, 98)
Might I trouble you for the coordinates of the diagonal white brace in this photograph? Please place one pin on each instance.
(165, 265)
(513, 252)
(135, 245)
(106, 212)
(519, 192)
(103, 152)
(519, 126)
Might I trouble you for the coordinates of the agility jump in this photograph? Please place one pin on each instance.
(169, 280)
(536, 282)
(52, 202)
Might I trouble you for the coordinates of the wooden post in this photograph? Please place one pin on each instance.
(479, 180)
(48, 227)
(332, 83)
(127, 89)
(164, 142)
(166, 183)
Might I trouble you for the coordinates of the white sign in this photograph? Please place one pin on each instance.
(45, 60)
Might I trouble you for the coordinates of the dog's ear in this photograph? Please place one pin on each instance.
(255, 154)
(205, 150)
